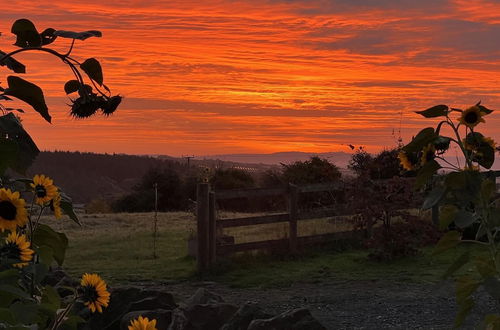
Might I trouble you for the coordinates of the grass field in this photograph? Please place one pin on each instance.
(120, 248)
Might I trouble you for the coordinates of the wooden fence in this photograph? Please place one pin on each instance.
(208, 247)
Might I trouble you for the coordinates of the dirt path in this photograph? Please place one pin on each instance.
(355, 304)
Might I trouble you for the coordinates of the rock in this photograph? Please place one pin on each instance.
(54, 276)
(244, 315)
(297, 319)
(163, 318)
(179, 321)
(129, 299)
(154, 300)
(203, 296)
(209, 316)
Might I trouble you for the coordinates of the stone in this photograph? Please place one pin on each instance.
(297, 319)
(179, 321)
(209, 316)
(203, 296)
(244, 315)
(129, 299)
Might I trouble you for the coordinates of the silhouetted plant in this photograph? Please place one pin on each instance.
(29, 248)
(466, 196)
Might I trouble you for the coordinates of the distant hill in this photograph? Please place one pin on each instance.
(341, 159)
(87, 176)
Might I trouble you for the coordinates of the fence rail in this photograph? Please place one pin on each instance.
(209, 225)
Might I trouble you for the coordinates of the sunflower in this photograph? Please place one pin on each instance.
(405, 161)
(17, 247)
(142, 323)
(472, 116)
(95, 295)
(44, 189)
(12, 210)
(55, 206)
(490, 142)
(427, 154)
(472, 168)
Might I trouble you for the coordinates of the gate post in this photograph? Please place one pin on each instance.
(202, 222)
(293, 199)
(212, 229)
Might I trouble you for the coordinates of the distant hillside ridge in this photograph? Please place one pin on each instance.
(339, 158)
(87, 176)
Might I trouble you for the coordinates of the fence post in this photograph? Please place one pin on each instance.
(435, 214)
(202, 211)
(212, 229)
(293, 199)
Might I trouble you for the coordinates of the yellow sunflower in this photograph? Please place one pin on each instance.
(472, 116)
(55, 205)
(474, 168)
(427, 154)
(44, 189)
(490, 142)
(405, 162)
(95, 294)
(17, 247)
(142, 323)
(12, 210)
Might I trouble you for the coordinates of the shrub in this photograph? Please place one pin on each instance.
(402, 239)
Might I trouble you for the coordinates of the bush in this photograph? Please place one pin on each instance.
(170, 193)
(98, 206)
(402, 239)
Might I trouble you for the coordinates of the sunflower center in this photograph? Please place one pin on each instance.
(40, 191)
(11, 251)
(90, 293)
(471, 117)
(8, 210)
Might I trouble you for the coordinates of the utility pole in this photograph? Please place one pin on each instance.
(188, 159)
(155, 229)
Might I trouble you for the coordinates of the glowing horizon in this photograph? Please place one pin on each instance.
(219, 77)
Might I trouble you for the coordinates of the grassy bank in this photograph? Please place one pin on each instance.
(120, 248)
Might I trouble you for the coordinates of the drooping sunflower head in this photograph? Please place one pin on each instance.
(489, 141)
(472, 116)
(94, 292)
(142, 323)
(472, 168)
(44, 189)
(428, 154)
(55, 206)
(12, 210)
(407, 161)
(17, 247)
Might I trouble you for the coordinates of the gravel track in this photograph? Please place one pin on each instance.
(354, 304)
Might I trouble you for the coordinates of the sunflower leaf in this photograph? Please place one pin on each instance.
(29, 93)
(448, 241)
(423, 138)
(93, 69)
(77, 35)
(16, 146)
(435, 111)
(12, 64)
(27, 35)
(67, 207)
(45, 236)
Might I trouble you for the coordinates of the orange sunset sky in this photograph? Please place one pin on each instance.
(214, 77)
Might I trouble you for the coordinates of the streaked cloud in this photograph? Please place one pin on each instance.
(262, 76)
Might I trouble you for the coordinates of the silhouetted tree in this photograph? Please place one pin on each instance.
(315, 170)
